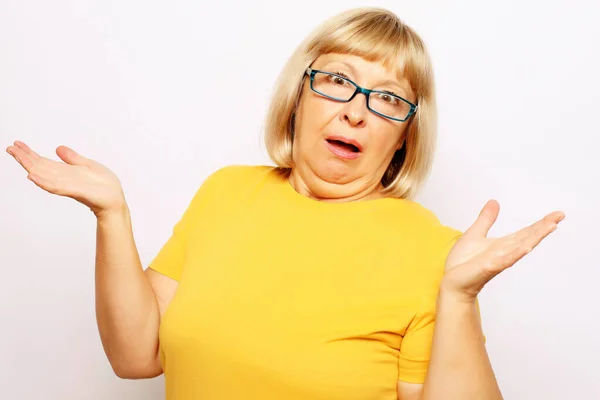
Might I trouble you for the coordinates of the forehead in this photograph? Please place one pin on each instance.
(367, 71)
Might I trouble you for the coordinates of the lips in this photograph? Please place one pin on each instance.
(344, 147)
(344, 141)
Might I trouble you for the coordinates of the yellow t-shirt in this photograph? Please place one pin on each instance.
(283, 297)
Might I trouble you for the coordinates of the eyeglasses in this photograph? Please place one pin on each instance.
(340, 88)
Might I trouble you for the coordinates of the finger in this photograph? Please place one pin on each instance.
(32, 154)
(486, 219)
(71, 157)
(528, 243)
(21, 157)
(540, 226)
(44, 183)
(521, 249)
(517, 249)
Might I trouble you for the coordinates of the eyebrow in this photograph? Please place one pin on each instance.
(393, 82)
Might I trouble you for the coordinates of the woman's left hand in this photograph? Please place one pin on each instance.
(475, 259)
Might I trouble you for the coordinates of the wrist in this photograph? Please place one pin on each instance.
(116, 213)
(455, 305)
(447, 294)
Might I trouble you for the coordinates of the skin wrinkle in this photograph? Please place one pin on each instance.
(329, 177)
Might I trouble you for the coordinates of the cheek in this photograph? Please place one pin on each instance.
(313, 115)
(386, 138)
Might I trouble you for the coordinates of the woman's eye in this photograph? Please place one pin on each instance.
(339, 78)
(387, 98)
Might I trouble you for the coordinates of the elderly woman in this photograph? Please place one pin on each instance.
(318, 278)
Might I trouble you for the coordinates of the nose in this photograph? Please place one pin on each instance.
(355, 111)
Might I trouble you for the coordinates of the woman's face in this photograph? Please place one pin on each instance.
(324, 167)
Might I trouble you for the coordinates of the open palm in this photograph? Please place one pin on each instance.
(80, 178)
(475, 259)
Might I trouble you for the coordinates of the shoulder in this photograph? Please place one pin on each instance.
(438, 236)
(229, 182)
(238, 173)
(230, 178)
(426, 241)
(422, 224)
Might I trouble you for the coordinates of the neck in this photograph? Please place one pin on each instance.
(319, 189)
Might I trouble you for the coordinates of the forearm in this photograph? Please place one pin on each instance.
(126, 308)
(460, 368)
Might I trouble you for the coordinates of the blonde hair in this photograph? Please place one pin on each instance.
(377, 35)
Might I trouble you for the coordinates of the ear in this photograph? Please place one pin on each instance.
(400, 143)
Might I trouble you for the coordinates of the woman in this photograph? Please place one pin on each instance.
(318, 279)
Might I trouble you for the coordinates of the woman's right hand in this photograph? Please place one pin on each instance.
(80, 178)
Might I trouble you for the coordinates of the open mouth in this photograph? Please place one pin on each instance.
(344, 148)
(343, 145)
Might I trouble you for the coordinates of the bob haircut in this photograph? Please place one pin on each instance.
(374, 34)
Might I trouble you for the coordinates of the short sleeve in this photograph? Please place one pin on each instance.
(171, 258)
(415, 349)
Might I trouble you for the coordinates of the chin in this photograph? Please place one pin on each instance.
(335, 171)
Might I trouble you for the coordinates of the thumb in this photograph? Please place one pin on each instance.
(485, 220)
(71, 157)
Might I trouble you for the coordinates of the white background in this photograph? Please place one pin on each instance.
(166, 92)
